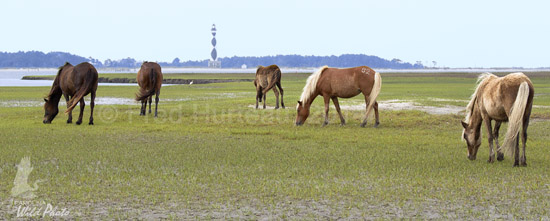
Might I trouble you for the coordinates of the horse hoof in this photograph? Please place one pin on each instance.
(91, 123)
(491, 160)
(376, 125)
(69, 121)
(78, 122)
(283, 107)
(500, 156)
(363, 124)
(276, 108)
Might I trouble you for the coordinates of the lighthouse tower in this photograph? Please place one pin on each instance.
(214, 63)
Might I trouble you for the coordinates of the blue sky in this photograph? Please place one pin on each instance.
(466, 33)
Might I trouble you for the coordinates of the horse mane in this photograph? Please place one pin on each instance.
(311, 84)
(481, 80)
(55, 90)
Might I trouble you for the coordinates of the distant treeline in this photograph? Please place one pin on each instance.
(37, 59)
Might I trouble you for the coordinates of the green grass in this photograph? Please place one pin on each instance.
(209, 155)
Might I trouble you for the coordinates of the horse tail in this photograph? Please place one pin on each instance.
(377, 85)
(274, 79)
(516, 118)
(143, 94)
(82, 91)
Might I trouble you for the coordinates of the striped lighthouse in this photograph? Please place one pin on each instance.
(214, 63)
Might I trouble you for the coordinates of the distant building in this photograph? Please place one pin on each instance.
(214, 63)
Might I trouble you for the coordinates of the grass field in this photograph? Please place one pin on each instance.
(209, 155)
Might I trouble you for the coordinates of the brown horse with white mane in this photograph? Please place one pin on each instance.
(266, 79)
(332, 83)
(149, 79)
(72, 82)
(502, 99)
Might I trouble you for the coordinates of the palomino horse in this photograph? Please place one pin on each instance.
(266, 79)
(73, 82)
(502, 99)
(149, 79)
(332, 83)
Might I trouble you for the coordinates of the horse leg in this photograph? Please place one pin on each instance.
(82, 104)
(150, 103)
(337, 106)
(500, 155)
(366, 116)
(375, 106)
(265, 94)
(516, 152)
(276, 97)
(487, 121)
(141, 109)
(326, 98)
(70, 120)
(157, 102)
(523, 160)
(257, 97)
(92, 105)
(281, 89)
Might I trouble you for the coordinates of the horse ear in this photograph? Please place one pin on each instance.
(299, 102)
(46, 100)
(464, 124)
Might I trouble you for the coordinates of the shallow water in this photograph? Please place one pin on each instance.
(395, 105)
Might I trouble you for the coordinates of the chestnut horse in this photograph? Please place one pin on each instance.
(502, 99)
(266, 79)
(332, 83)
(72, 82)
(149, 79)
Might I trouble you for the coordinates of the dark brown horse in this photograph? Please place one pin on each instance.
(502, 99)
(149, 79)
(72, 82)
(332, 83)
(266, 79)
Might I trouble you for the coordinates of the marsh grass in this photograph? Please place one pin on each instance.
(208, 155)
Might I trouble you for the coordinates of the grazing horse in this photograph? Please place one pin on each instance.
(72, 82)
(332, 83)
(502, 99)
(149, 79)
(266, 79)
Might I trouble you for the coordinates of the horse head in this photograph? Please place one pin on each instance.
(472, 136)
(50, 110)
(302, 113)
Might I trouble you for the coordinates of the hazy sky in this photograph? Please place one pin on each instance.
(462, 33)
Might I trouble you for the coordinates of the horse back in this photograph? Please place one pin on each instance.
(72, 78)
(499, 95)
(346, 82)
(266, 74)
(145, 73)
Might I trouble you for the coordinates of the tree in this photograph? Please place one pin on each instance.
(176, 62)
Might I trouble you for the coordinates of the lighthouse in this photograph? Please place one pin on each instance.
(213, 62)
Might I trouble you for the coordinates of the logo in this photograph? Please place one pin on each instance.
(21, 187)
(24, 206)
